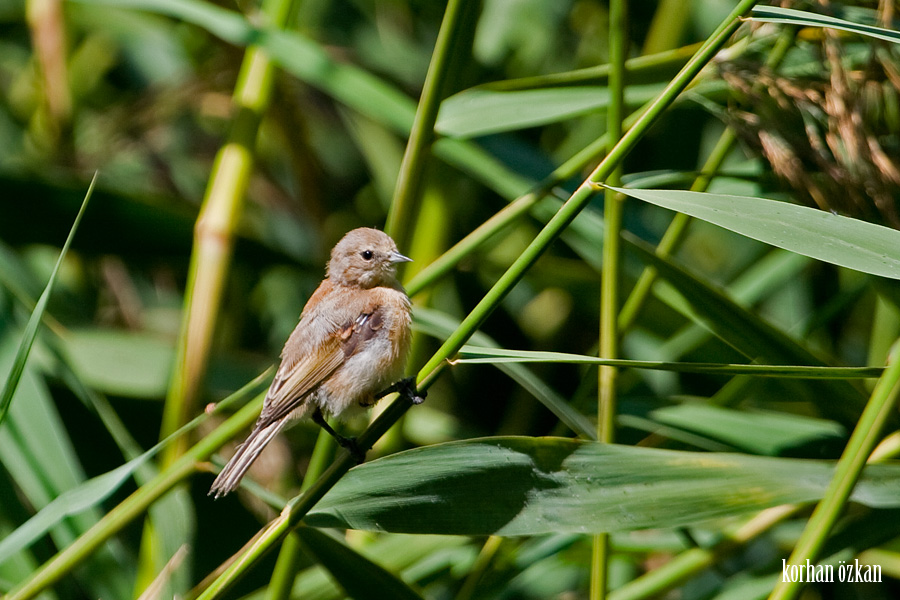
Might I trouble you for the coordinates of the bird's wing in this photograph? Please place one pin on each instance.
(294, 382)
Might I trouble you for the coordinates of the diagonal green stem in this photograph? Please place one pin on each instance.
(585, 192)
(865, 436)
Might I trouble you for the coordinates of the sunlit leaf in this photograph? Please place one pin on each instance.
(815, 233)
(531, 486)
(801, 18)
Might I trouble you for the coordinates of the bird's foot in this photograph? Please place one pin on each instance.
(405, 387)
(349, 443)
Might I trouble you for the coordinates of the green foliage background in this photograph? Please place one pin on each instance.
(236, 142)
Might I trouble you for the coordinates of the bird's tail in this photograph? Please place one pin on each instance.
(231, 475)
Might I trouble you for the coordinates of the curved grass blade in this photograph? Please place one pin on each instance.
(497, 356)
(12, 380)
(530, 486)
(801, 18)
(839, 240)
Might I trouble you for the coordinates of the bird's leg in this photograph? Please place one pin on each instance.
(405, 387)
(345, 442)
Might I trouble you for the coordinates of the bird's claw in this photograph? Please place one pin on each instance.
(350, 444)
(405, 387)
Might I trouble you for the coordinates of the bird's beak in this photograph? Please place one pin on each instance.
(395, 257)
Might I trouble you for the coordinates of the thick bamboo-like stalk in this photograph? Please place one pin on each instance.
(48, 35)
(214, 233)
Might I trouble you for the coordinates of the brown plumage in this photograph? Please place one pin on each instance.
(350, 344)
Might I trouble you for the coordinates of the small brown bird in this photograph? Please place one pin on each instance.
(350, 344)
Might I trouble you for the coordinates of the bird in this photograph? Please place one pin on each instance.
(348, 349)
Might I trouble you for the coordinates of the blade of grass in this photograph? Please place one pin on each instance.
(839, 240)
(31, 328)
(801, 18)
(496, 356)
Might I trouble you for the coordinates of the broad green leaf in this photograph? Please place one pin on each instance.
(529, 486)
(768, 433)
(118, 362)
(815, 233)
(481, 111)
(478, 355)
(801, 18)
(359, 576)
(31, 328)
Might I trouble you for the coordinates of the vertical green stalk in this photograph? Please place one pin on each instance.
(678, 227)
(880, 407)
(409, 180)
(609, 282)
(220, 213)
(282, 581)
(211, 257)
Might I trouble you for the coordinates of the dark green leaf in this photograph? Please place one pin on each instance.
(531, 486)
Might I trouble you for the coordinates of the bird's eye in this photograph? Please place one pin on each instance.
(367, 254)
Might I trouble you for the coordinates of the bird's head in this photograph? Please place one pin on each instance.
(365, 258)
